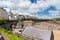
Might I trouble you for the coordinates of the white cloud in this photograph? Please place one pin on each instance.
(25, 7)
(54, 14)
(6, 4)
(44, 17)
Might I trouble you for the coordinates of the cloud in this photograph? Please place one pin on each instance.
(25, 7)
(54, 14)
(6, 4)
(44, 17)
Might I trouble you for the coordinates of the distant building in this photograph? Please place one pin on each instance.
(12, 16)
(3, 14)
(27, 23)
(15, 16)
(17, 30)
(19, 25)
(26, 17)
(19, 16)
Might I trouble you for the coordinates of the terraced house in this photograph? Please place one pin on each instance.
(3, 14)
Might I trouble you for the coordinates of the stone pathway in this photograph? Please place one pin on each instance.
(5, 38)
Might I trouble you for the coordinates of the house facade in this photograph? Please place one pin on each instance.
(3, 14)
(27, 23)
(12, 16)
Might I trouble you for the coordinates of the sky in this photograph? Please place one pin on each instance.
(45, 9)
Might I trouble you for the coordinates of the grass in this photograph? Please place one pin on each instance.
(10, 36)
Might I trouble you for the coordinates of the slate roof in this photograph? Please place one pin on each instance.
(44, 34)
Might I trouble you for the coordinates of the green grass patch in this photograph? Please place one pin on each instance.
(10, 36)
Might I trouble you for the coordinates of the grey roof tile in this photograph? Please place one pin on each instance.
(44, 34)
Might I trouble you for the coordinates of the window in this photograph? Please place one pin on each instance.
(20, 30)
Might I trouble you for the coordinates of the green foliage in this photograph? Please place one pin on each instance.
(10, 36)
(8, 23)
(57, 19)
(2, 22)
(21, 20)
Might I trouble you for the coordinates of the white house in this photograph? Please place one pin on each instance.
(12, 16)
